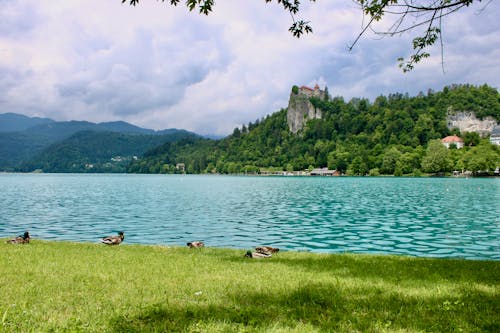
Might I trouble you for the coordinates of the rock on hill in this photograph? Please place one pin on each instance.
(300, 109)
(468, 122)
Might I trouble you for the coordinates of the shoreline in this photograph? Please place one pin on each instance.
(251, 175)
(243, 249)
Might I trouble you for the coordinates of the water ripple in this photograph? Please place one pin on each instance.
(434, 217)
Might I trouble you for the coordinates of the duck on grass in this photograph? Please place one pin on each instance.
(195, 244)
(114, 240)
(154, 288)
(21, 239)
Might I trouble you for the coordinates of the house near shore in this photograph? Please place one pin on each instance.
(495, 135)
(453, 140)
(181, 167)
(324, 172)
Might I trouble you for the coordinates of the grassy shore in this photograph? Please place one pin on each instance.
(68, 287)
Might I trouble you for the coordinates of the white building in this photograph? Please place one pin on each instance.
(495, 135)
(453, 139)
(324, 172)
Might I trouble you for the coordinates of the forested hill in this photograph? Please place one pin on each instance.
(101, 151)
(391, 135)
(23, 140)
(14, 122)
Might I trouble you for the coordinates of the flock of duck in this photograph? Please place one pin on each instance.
(259, 253)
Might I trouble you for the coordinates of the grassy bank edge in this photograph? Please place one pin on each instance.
(67, 286)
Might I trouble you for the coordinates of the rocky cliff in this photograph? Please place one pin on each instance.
(300, 110)
(468, 122)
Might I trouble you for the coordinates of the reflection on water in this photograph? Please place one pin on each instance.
(432, 217)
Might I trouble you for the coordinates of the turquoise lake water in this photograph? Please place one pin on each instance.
(428, 217)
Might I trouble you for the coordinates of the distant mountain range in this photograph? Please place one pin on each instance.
(13, 122)
(29, 143)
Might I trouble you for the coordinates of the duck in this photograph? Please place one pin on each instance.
(21, 239)
(266, 249)
(114, 240)
(257, 255)
(195, 245)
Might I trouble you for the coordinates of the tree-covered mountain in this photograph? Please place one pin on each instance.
(91, 151)
(392, 135)
(13, 122)
(36, 134)
(124, 127)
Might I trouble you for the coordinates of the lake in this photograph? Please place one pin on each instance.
(425, 217)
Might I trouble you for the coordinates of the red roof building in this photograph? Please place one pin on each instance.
(316, 92)
(453, 139)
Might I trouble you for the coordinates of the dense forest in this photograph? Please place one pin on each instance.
(98, 151)
(393, 135)
(31, 143)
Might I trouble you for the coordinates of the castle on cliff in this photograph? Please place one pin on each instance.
(316, 92)
(300, 108)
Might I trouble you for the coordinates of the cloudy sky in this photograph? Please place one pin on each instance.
(159, 66)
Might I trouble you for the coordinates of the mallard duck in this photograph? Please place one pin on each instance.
(266, 249)
(21, 239)
(114, 240)
(195, 245)
(257, 255)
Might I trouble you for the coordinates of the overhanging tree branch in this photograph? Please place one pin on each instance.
(408, 15)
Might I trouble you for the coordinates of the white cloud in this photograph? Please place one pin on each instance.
(160, 66)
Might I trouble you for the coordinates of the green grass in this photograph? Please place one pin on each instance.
(71, 287)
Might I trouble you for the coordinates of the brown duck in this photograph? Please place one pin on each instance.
(257, 255)
(195, 245)
(266, 249)
(114, 240)
(21, 239)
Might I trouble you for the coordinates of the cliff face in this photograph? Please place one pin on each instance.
(467, 122)
(300, 110)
